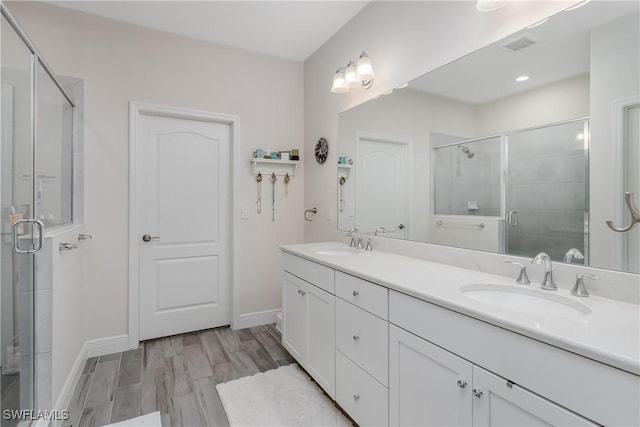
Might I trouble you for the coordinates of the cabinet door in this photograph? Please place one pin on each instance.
(498, 402)
(294, 317)
(321, 362)
(428, 386)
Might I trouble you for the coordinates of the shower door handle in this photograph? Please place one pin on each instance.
(36, 245)
(512, 218)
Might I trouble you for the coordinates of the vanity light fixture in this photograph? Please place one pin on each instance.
(355, 74)
(522, 78)
(490, 5)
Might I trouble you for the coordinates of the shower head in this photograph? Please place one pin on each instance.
(466, 151)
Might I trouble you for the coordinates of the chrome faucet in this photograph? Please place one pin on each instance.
(579, 289)
(572, 254)
(547, 283)
(355, 243)
(380, 230)
(522, 279)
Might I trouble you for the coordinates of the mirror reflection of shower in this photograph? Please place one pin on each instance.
(466, 151)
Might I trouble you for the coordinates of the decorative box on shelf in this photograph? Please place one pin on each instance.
(279, 167)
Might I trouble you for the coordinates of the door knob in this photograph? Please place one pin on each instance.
(148, 238)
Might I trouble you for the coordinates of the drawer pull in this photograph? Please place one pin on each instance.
(477, 392)
(356, 337)
(301, 292)
(462, 383)
(356, 293)
(356, 397)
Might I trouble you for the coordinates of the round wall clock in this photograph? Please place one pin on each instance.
(322, 149)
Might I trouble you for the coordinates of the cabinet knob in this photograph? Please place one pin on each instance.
(462, 383)
(356, 293)
(301, 292)
(356, 337)
(477, 392)
(356, 397)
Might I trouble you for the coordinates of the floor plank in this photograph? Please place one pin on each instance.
(109, 357)
(130, 367)
(209, 403)
(103, 384)
(212, 347)
(154, 391)
(184, 411)
(126, 402)
(224, 372)
(78, 398)
(176, 377)
(229, 340)
(90, 366)
(96, 416)
(197, 362)
(153, 355)
(243, 364)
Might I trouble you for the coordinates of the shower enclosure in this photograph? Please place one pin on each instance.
(35, 191)
(532, 181)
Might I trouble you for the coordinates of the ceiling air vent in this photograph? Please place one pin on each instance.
(518, 43)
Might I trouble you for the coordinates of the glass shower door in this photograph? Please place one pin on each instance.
(19, 235)
(547, 203)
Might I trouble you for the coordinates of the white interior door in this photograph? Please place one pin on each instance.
(382, 196)
(183, 185)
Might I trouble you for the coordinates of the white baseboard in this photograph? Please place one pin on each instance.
(69, 386)
(249, 320)
(102, 346)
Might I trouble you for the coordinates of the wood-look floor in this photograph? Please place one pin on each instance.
(174, 375)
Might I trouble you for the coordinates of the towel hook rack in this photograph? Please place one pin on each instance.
(635, 215)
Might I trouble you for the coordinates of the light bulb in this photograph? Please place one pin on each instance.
(351, 77)
(364, 68)
(339, 85)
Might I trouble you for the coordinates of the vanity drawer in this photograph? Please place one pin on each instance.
(360, 395)
(312, 272)
(363, 338)
(366, 295)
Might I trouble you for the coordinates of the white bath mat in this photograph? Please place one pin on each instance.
(280, 397)
(148, 420)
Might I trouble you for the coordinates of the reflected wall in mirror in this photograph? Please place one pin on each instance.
(473, 156)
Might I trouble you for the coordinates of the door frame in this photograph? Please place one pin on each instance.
(137, 109)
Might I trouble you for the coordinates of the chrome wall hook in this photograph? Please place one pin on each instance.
(633, 210)
(308, 211)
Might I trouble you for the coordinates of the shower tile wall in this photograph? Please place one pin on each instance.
(547, 188)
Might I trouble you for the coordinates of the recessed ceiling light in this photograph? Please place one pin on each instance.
(537, 24)
(522, 78)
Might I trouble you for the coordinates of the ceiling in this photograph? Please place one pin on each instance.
(561, 51)
(286, 29)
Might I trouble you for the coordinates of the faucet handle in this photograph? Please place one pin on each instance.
(523, 278)
(360, 245)
(579, 289)
(369, 246)
(352, 244)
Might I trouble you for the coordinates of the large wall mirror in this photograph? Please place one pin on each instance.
(524, 146)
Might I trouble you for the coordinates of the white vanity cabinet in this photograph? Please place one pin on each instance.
(308, 321)
(430, 386)
(362, 344)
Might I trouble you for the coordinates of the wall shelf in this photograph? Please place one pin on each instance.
(279, 167)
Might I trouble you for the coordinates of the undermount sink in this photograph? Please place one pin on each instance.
(338, 251)
(524, 300)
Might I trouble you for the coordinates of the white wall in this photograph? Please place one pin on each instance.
(119, 63)
(404, 40)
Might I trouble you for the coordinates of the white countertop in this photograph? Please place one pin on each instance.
(609, 334)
